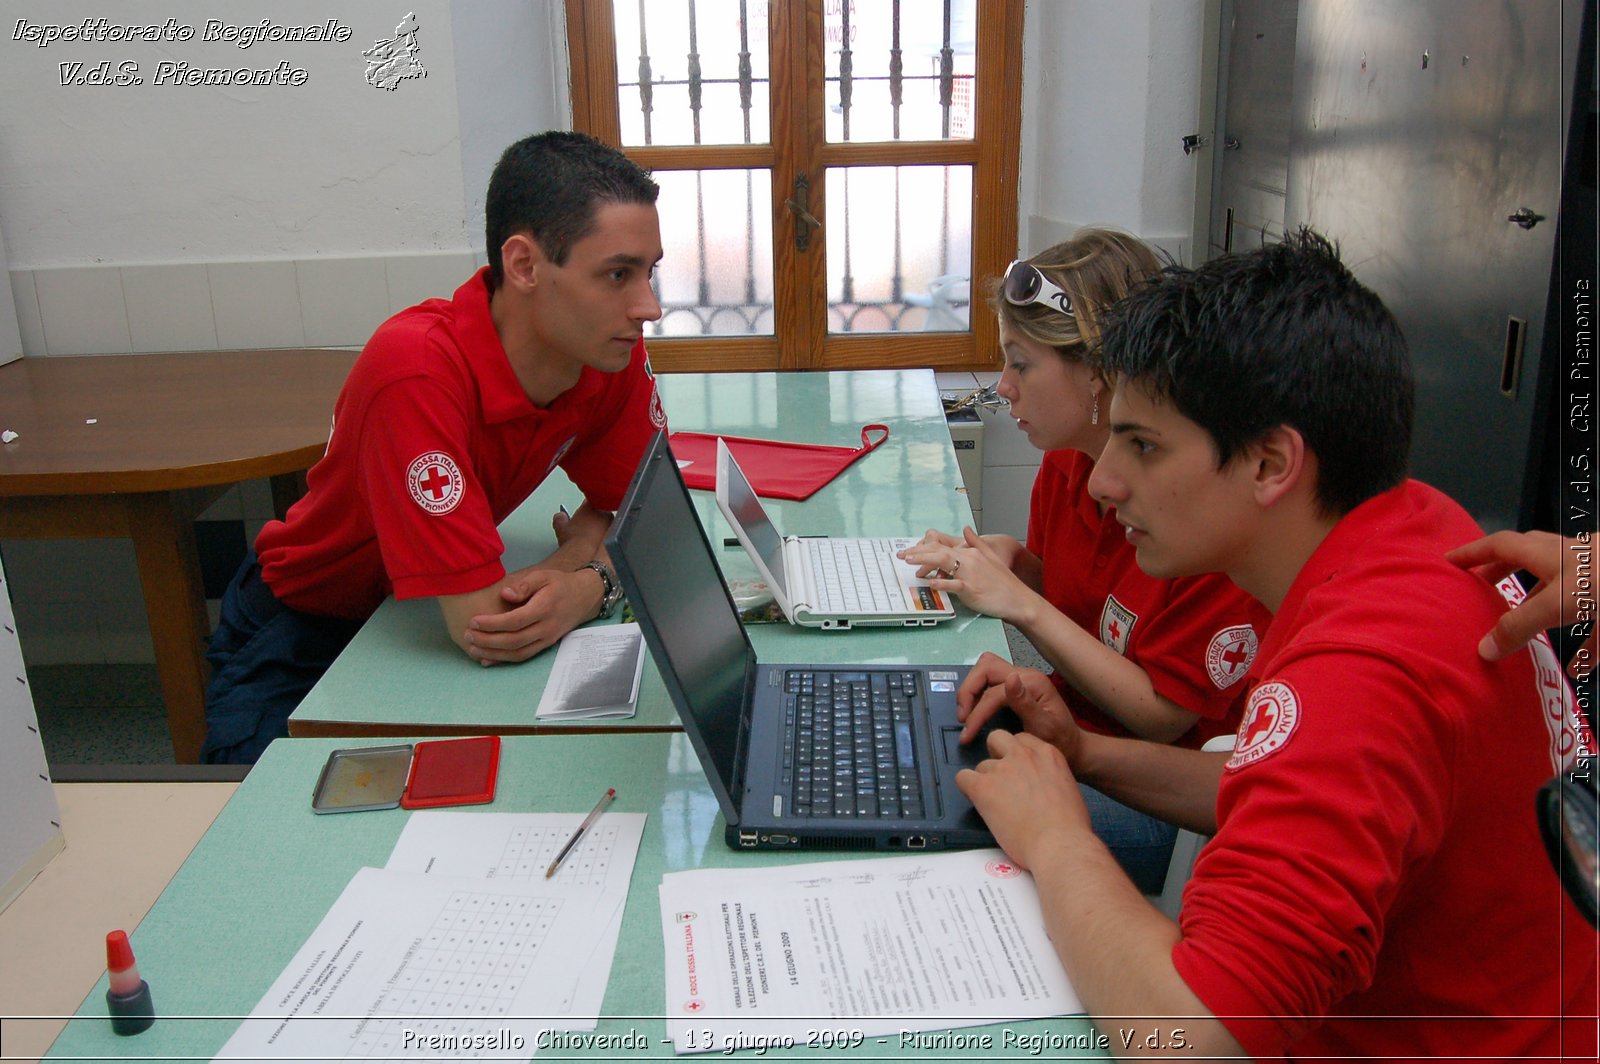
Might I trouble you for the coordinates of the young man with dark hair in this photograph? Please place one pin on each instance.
(1376, 886)
(454, 413)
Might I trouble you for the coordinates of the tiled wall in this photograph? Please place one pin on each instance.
(333, 302)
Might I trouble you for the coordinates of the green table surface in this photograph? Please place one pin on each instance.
(402, 676)
(267, 871)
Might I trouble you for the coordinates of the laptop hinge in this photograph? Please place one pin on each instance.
(752, 669)
(802, 588)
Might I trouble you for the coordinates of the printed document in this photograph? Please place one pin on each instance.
(899, 943)
(595, 675)
(519, 847)
(459, 948)
(423, 967)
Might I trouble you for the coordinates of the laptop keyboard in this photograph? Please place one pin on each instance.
(854, 575)
(848, 749)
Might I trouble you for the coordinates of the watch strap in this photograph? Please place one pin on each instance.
(611, 589)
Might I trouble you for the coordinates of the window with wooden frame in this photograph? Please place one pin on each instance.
(834, 173)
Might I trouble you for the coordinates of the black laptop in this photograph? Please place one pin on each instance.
(799, 756)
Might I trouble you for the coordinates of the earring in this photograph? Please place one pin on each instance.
(1094, 412)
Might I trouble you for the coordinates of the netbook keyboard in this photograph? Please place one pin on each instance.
(848, 749)
(854, 575)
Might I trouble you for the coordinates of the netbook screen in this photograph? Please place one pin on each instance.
(678, 592)
(753, 519)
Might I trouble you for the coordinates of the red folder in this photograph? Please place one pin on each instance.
(777, 470)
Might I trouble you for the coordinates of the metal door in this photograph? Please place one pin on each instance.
(1413, 133)
(1428, 139)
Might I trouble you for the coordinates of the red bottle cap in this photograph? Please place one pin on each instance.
(119, 952)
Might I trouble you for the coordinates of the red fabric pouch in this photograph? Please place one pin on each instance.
(777, 470)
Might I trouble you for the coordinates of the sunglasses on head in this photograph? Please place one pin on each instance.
(1023, 285)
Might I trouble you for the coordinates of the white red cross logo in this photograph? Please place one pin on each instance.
(1270, 719)
(435, 482)
(1230, 655)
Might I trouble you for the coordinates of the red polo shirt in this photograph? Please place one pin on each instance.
(1377, 887)
(1195, 637)
(433, 443)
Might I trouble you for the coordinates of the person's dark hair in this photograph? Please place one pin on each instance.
(1283, 335)
(550, 185)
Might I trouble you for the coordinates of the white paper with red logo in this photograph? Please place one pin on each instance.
(923, 942)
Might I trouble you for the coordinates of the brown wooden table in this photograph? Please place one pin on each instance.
(139, 446)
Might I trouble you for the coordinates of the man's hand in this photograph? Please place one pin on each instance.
(994, 683)
(542, 606)
(587, 528)
(1558, 598)
(1026, 795)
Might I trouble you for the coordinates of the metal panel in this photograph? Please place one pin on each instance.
(1418, 128)
(1251, 149)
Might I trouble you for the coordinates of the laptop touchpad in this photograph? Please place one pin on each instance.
(968, 755)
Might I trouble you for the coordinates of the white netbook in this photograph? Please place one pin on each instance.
(824, 581)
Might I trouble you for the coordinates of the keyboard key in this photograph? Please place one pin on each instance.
(848, 745)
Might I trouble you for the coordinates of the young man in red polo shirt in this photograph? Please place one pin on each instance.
(454, 413)
(1376, 886)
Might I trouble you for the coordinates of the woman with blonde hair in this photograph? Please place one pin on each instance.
(1163, 660)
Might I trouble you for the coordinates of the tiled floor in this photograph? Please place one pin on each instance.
(1022, 651)
(100, 715)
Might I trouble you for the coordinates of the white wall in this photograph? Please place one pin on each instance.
(1109, 92)
(145, 218)
(163, 173)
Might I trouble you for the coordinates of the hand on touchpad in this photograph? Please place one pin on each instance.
(978, 750)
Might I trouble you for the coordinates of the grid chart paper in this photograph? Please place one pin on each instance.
(529, 851)
(461, 977)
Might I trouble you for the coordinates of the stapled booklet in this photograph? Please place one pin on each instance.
(595, 675)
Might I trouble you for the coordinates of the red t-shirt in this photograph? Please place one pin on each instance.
(1377, 853)
(1195, 636)
(434, 442)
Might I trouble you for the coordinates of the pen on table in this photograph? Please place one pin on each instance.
(588, 822)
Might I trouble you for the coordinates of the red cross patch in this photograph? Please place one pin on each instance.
(1002, 869)
(435, 482)
(1116, 624)
(658, 415)
(1230, 654)
(1270, 719)
(693, 1005)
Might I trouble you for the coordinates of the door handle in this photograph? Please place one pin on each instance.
(1526, 217)
(799, 206)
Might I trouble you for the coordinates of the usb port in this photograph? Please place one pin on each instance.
(748, 838)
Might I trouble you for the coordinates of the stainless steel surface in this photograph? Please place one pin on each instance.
(1256, 103)
(1418, 130)
(1427, 138)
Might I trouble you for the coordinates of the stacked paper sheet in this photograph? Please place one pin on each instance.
(458, 947)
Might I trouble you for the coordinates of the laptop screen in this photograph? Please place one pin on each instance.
(677, 593)
(755, 524)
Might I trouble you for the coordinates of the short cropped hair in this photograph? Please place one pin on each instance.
(1282, 335)
(550, 186)
(1095, 267)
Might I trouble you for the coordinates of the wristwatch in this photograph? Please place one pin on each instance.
(613, 589)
